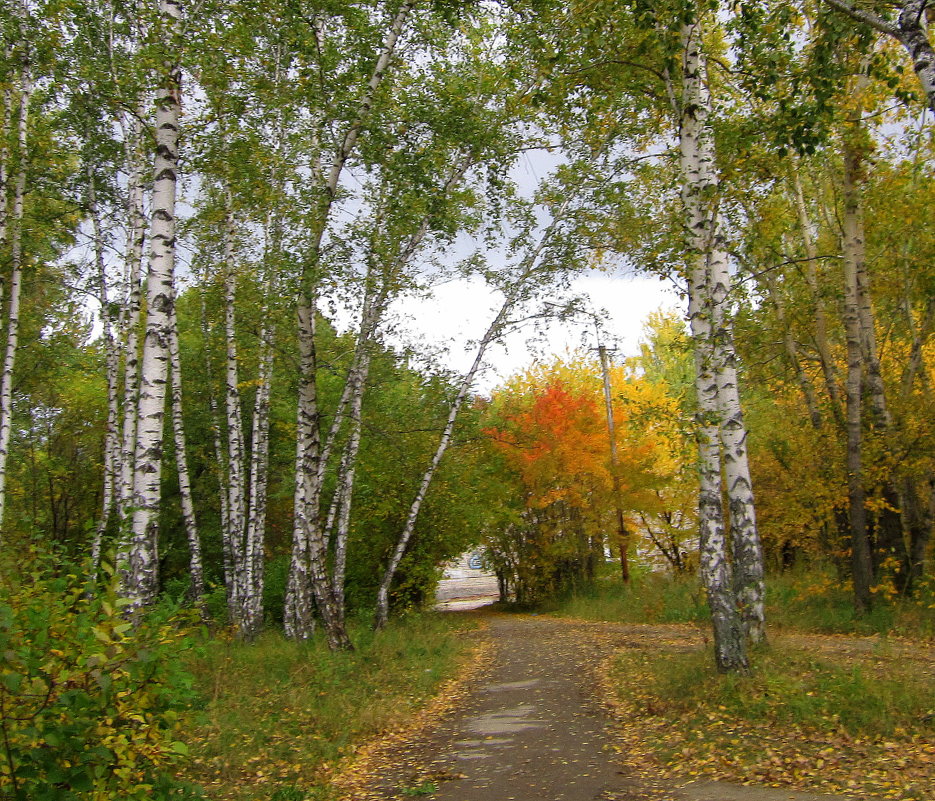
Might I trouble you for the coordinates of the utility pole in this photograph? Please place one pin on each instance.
(622, 533)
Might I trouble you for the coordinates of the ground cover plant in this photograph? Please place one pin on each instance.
(819, 713)
(835, 702)
(811, 600)
(279, 716)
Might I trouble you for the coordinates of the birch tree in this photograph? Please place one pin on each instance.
(139, 575)
(24, 86)
(699, 187)
(909, 28)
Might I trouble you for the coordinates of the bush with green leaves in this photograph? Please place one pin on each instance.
(90, 703)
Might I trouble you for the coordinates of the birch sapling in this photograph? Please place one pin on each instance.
(196, 570)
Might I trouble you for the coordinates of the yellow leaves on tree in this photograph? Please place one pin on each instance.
(550, 424)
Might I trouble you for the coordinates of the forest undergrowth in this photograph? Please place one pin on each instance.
(834, 703)
(279, 717)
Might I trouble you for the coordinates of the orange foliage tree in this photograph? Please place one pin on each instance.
(550, 427)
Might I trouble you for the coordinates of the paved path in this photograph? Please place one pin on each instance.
(530, 730)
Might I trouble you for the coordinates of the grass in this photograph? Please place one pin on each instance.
(650, 598)
(278, 715)
(818, 711)
(791, 687)
(808, 601)
(861, 722)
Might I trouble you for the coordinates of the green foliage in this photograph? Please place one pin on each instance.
(649, 598)
(90, 703)
(817, 600)
(425, 788)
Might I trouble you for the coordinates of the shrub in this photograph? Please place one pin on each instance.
(89, 703)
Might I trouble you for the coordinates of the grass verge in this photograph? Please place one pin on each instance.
(859, 722)
(811, 601)
(279, 715)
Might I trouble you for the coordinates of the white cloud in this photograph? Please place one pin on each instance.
(456, 314)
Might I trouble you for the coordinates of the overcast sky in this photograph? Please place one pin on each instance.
(459, 312)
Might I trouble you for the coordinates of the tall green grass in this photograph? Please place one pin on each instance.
(790, 686)
(277, 713)
(651, 598)
(803, 600)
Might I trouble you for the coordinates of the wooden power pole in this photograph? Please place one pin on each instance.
(622, 533)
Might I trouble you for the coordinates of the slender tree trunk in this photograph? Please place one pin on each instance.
(792, 353)
(112, 469)
(622, 533)
(494, 330)
(136, 238)
(715, 568)
(6, 130)
(235, 533)
(308, 556)
(16, 284)
(527, 269)
(890, 543)
(197, 585)
(913, 35)
(259, 469)
(918, 516)
(259, 473)
(310, 574)
(347, 478)
(140, 577)
(910, 30)
(860, 545)
(219, 455)
(809, 236)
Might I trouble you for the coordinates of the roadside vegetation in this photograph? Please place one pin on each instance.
(834, 702)
(278, 717)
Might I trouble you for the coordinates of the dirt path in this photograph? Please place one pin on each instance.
(530, 727)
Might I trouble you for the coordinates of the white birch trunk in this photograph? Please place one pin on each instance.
(494, 330)
(309, 574)
(913, 35)
(197, 581)
(141, 579)
(259, 472)
(235, 533)
(810, 236)
(111, 434)
(910, 30)
(136, 238)
(308, 556)
(16, 283)
(348, 468)
(792, 352)
(5, 130)
(490, 335)
(219, 456)
(701, 224)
